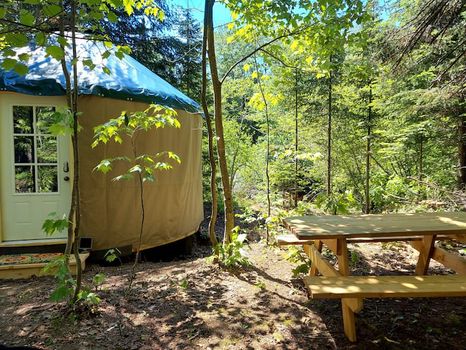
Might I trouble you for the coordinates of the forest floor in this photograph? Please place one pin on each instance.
(193, 304)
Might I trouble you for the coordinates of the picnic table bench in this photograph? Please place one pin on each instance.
(335, 232)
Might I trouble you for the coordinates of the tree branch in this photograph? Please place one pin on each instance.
(244, 58)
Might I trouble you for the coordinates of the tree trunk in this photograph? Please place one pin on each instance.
(72, 244)
(421, 156)
(296, 140)
(71, 213)
(462, 152)
(217, 88)
(210, 135)
(74, 110)
(367, 208)
(267, 155)
(143, 214)
(329, 137)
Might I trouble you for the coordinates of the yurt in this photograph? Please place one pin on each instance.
(36, 167)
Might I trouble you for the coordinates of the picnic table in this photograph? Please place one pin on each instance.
(421, 230)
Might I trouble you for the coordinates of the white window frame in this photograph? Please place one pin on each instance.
(35, 164)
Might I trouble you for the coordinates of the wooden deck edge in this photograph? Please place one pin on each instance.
(32, 243)
(21, 271)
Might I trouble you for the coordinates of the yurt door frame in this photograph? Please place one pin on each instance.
(35, 167)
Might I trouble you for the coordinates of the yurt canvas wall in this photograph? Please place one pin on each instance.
(111, 210)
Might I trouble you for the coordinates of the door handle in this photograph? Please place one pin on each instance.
(66, 168)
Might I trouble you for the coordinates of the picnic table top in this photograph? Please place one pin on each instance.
(376, 225)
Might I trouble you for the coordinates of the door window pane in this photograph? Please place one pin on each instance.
(48, 179)
(46, 149)
(24, 149)
(22, 119)
(24, 179)
(44, 118)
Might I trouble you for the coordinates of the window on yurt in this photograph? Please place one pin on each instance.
(35, 150)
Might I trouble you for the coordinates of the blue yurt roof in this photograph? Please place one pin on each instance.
(127, 80)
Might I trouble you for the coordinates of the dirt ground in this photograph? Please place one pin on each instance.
(192, 304)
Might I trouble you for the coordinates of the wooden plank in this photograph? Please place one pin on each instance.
(355, 304)
(349, 322)
(333, 245)
(450, 260)
(426, 247)
(307, 249)
(459, 238)
(384, 239)
(382, 225)
(343, 261)
(318, 247)
(33, 243)
(292, 240)
(386, 286)
(321, 264)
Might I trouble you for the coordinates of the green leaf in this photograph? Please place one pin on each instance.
(128, 5)
(55, 51)
(88, 63)
(104, 166)
(21, 68)
(41, 39)
(61, 293)
(24, 56)
(9, 63)
(53, 225)
(17, 39)
(62, 41)
(112, 17)
(26, 18)
(52, 10)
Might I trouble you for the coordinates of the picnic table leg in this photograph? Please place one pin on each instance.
(349, 322)
(348, 305)
(314, 271)
(425, 254)
(343, 262)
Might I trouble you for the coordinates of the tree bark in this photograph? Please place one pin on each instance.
(329, 137)
(210, 135)
(72, 244)
(296, 140)
(462, 152)
(217, 88)
(267, 155)
(367, 208)
(74, 110)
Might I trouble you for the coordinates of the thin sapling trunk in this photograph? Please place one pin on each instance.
(210, 136)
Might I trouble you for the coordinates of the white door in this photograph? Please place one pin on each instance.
(35, 169)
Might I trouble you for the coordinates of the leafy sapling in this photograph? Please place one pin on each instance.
(232, 254)
(140, 167)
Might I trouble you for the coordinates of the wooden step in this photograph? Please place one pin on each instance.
(386, 286)
(19, 271)
(52, 245)
(33, 242)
